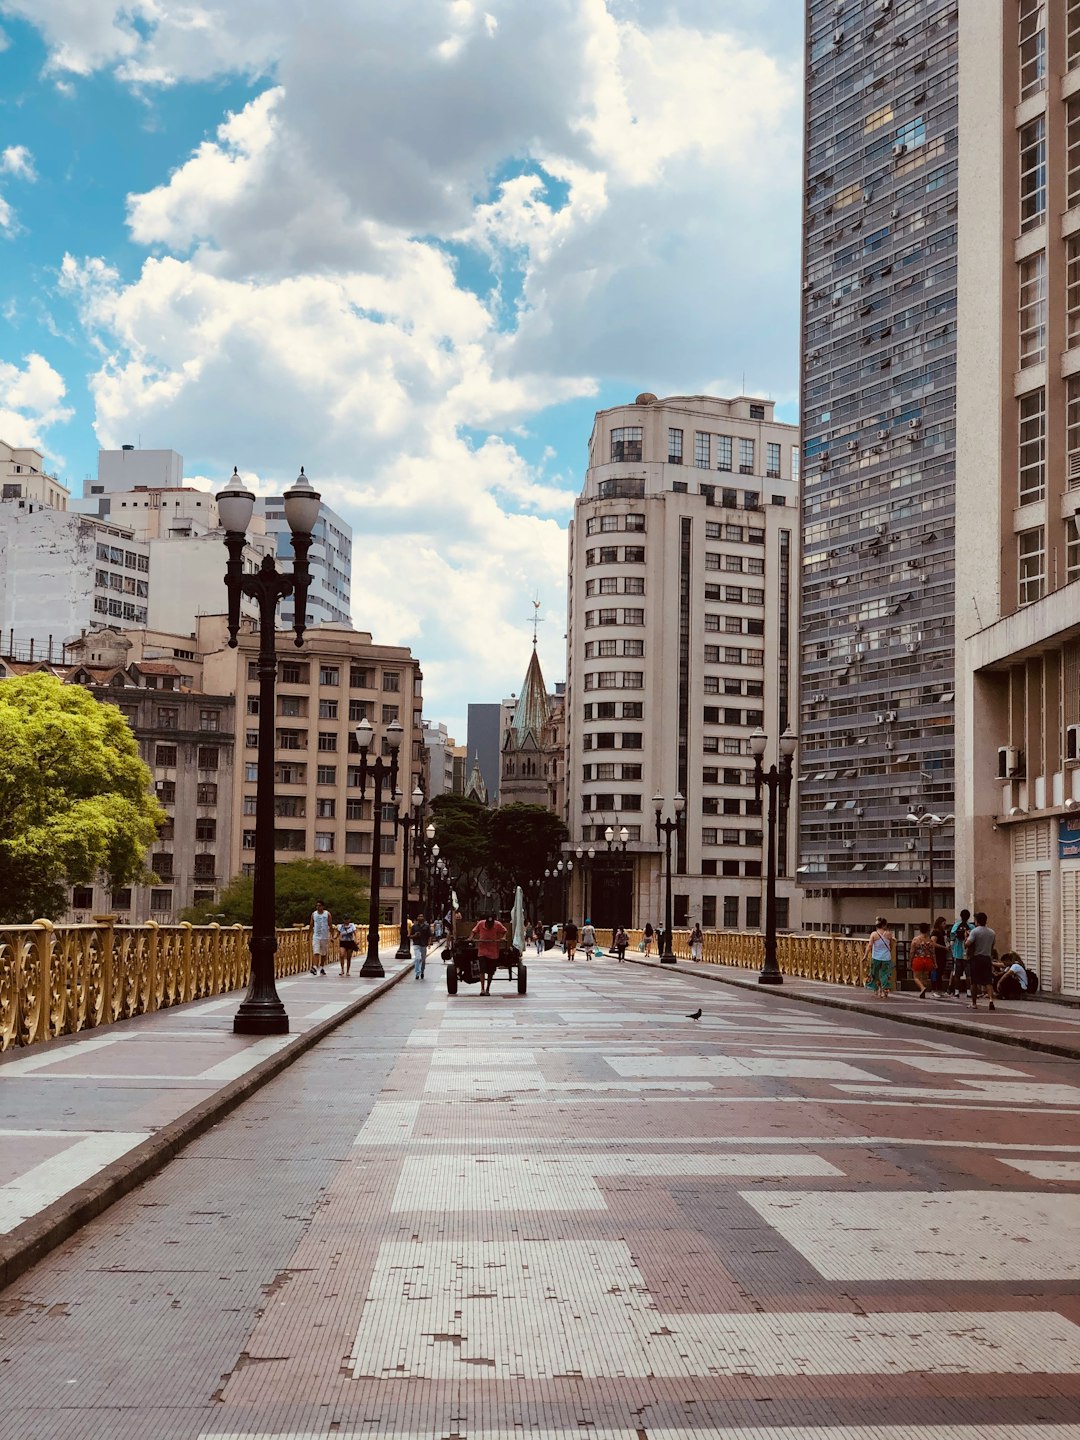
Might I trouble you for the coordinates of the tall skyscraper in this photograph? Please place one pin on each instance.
(1018, 480)
(330, 595)
(680, 643)
(878, 394)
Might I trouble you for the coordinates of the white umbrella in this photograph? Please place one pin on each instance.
(517, 918)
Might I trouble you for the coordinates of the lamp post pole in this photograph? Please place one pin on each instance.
(919, 815)
(261, 1011)
(778, 783)
(381, 774)
(668, 826)
(408, 822)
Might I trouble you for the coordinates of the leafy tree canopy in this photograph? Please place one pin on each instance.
(301, 884)
(524, 841)
(461, 833)
(75, 797)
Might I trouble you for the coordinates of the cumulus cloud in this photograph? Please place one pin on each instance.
(434, 221)
(30, 401)
(17, 162)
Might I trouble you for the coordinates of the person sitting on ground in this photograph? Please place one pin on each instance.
(588, 939)
(1012, 983)
(489, 934)
(922, 958)
(619, 941)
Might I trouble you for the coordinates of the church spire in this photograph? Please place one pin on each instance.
(533, 710)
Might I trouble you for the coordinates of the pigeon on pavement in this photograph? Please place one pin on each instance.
(695, 1016)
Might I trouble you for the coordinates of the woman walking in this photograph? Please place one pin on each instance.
(588, 939)
(619, 941)
(647, 937)
(880, 951)
(570, 939)
(922, 958)
(697, 941)
(939, 935)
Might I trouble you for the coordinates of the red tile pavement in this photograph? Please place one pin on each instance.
(579, 1213)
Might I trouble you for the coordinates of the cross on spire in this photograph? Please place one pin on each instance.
(537, 618)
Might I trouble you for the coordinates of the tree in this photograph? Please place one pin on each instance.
(75, 798)
(461, 832)
(523, 842)
(300, 885)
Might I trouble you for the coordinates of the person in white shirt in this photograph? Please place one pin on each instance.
(1012, 983)
(347, 944)
(321, 920)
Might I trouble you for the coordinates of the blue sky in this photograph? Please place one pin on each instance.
(413, 247)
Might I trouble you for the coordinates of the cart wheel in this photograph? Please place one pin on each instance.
(523, 979)
(451, 979)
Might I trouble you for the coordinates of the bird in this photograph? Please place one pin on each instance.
(695, 1016)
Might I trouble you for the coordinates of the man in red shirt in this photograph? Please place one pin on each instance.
(488, 934)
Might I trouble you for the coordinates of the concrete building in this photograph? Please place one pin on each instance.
(440, 748)
(878, 375)
(483, 744)
(24, 480)
(330, 595)
(1018, 481)
(338, 678)
(683, 613)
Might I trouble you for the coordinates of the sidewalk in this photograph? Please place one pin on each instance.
(88, 1117)
(1031, 1024)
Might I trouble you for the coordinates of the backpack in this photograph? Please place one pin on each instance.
(1033, 982)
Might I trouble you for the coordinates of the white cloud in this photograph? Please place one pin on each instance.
(16, 160)
(30, 401)
(625, 176)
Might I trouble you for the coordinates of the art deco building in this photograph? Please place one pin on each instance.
(878, 361)
(683, 617)
(1018, 480)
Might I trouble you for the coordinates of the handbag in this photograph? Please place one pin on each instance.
(641, 946)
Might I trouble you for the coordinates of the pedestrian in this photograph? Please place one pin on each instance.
(570, 939)
(419, 939)
(958, 936)
(588, 939)
(921, 955)
(346, 944)
(647, 937)
(488, 934)
(980, 952)
(321, 920)
(540, 934)
(1013, 982)
(939, 937)
(880, 952)
(619, 941)
(437, 929)
(697, 942)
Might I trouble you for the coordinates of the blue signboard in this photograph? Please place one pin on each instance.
(1068, 839)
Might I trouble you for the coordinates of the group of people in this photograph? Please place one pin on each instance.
(948, 960)
(323, 930)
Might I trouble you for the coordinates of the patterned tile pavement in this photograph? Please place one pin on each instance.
(579, 1213)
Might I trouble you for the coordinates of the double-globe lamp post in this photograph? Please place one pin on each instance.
(261, 1011)
(668, 825)
(777, 780)
(408, 822)
(383, 774)
(929, 822)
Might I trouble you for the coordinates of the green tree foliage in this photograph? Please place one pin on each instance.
(75, 798)
(461, 832)
(300, 884)
(523, 842)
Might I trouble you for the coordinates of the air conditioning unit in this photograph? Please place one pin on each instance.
(909, 845)
(849, 844)
(808, 285)
(836, 300)
(895, 215)
(880, 529)
(1072, 742)
(880, 719)
(914, 424)
(883, 434)
(890, 717)
(852, 445)
(838, 37)
(1010, 763)
(860, 810)
(898, 150)
(884, 6)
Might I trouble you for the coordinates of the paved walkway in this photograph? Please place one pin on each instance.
(85, 1117)
(580, 1213)
(1032, 1024)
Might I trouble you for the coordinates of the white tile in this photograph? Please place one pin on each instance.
(1065, 1170)
(32, 1191)
(233, 1066)
(737, 1067)
(450, 1310)
(466, 1055)
(56, 1055)
(928, 1234)
(1027, 1095)
(389, 1122)
(956, 1065)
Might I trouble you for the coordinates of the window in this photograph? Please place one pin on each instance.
(209, 719)
(772, 461)
(701, 450)
(609, 523)
(326, 774)
(206, 793)
(1033, 173)
(354, 809)
(723, 452)
(1032, 447)
(755, 565)
(626, 443)
(286, 774)
(733, 594)
(325, 809)
(731, 912)
(634, 554)
(746, 457)
(167, 719)
(292, 739)
(324, 842)
(328, 709)
(1033, 310)
(633, 679)
(357, 844)
(631, 739)
(391, 680)
(1072, 290)
(1072, 431)
(386, 875)
(359, 678)
(162, 864)
(293, 674)
(1072, 549)
(293, 706)
(674, 447)
(327, 740)
(160, 900)
(389, 714)
(608, 554)
(634, 522)
(753, 908)
(634, 585)
(205, 829)
(633, 617)
(1032, 43)
(632, 710)
(1031, 568)
(208, 757)
(165, 755)
(329, 675)
(733, 532)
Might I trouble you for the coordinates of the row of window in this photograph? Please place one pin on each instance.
(607, 802)
(613, 554)
(614, 616)
(606, 524)
(614, 680)
(168, 718)
(721, 715)
(712, 835)
(115, 555)
(614, 710)
(361, 677)
(732, 595)
(207, 757)
(206, 792)
(616, 585)
(737, 533)
(120, 609)
(602, 648)
(161, 862)
(295, 707)
(292, 773)
(612, 740)
(609, 770)
(124, 584)
(733, 625)
(1031, 559)
(716, 452)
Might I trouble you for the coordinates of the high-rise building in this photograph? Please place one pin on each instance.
(440, 749)
(878, 393)
(681, 635)
(1018, 481)
(483, 741)
(330, 593)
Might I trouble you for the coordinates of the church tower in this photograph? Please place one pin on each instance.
(530, 760)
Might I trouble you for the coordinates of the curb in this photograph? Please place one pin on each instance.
(35, 1238)
(928, 1022)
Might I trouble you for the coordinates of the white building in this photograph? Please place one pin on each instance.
(440, 749)
(682, 640)
(24, 481)
(329, 598)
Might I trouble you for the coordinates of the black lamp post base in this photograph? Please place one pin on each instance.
(667, 959)
(260, 1017)
(770, 977)
(372, 968)
(402, 952)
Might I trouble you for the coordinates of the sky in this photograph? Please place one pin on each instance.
(412, 246)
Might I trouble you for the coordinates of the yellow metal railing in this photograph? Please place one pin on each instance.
(59, 979)
(835, 958)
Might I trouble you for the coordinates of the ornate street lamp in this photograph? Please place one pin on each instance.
(926, 821)
(409, 824)
(382, 774)
(261, 1011)
(778, 784)
(668, 826)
